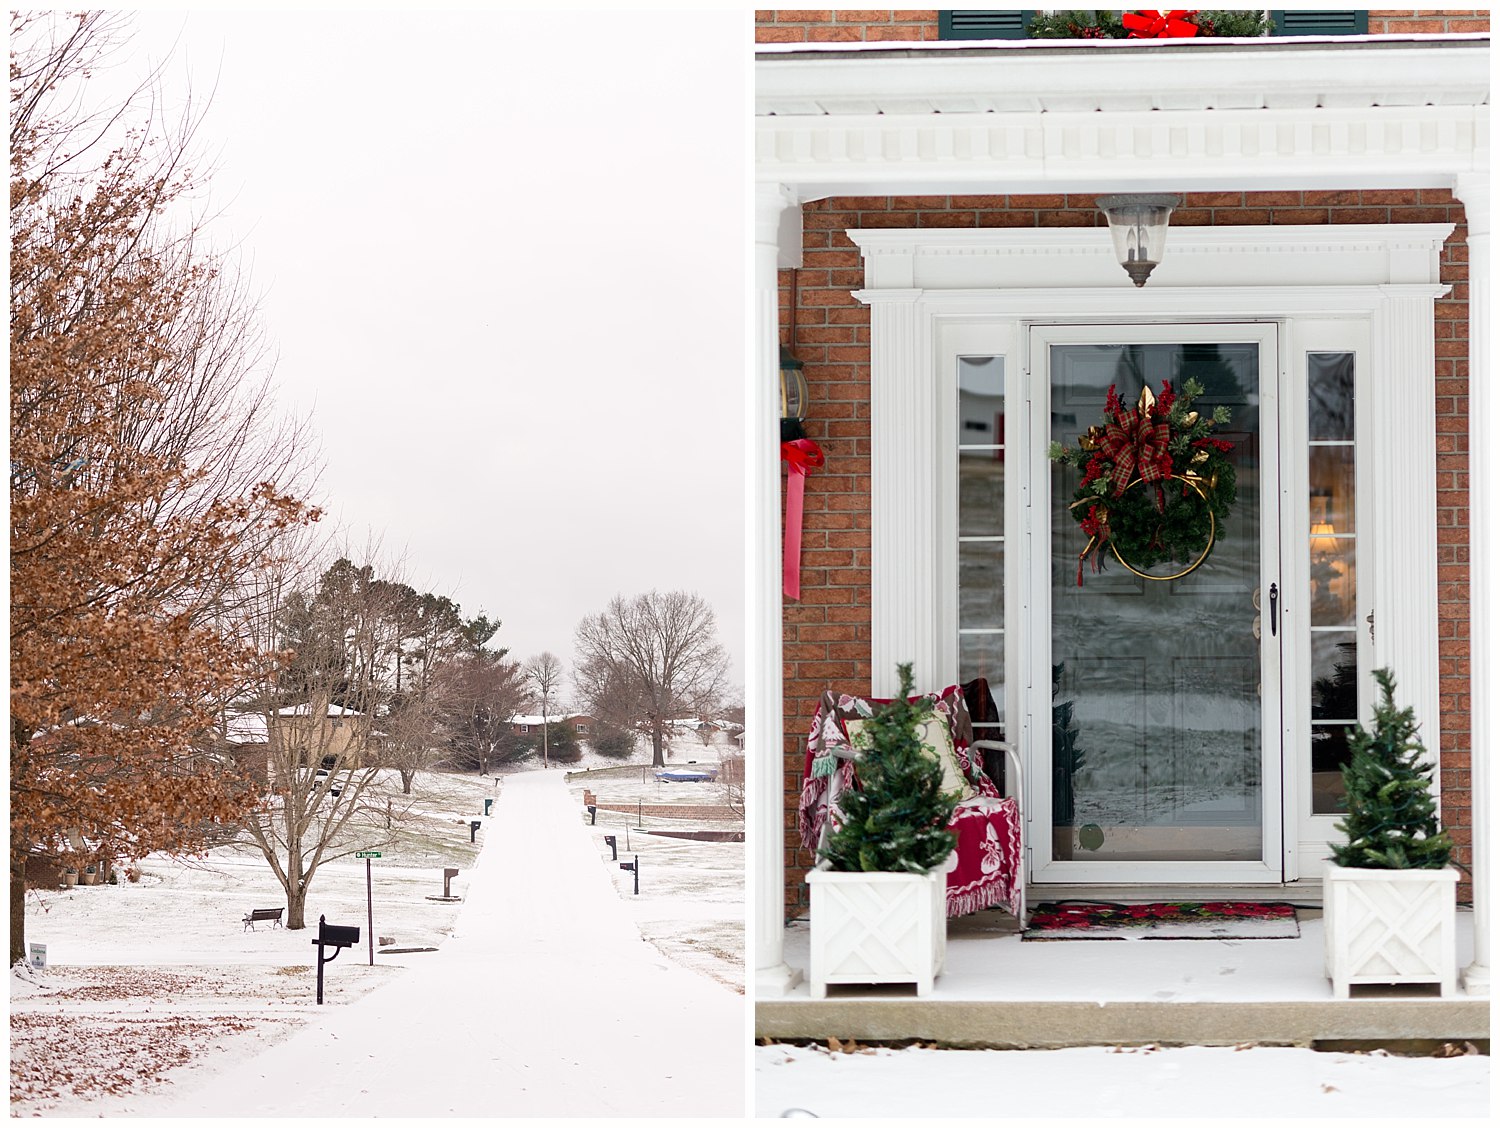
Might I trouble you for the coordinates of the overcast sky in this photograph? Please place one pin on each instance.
(502, 265)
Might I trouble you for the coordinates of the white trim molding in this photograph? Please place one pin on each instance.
(1079, 118)
(1384, 278)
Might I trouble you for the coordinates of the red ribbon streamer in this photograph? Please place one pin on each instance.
(800, 456)
(1156, 24)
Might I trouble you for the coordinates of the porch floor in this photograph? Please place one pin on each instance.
(996, 990)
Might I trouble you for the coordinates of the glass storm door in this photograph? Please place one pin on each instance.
(1164, 762)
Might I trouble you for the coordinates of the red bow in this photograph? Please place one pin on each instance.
(1161, 25)
(1137, 444)
(800, 456)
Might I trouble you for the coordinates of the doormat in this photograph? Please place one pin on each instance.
(1170, 920)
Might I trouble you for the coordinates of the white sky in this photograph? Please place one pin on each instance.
(502, 264)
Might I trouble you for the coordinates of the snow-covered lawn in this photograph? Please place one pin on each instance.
(691, 903)
(150, 982)
(1084, 1084)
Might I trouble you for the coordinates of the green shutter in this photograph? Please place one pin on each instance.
(968, 24)
(1304, 22)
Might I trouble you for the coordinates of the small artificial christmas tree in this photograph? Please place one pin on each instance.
(1392, 819)
(896, 821)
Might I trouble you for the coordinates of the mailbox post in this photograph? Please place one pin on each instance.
(474, 826)
(593, 814)
(635, 868)
(335, 936)
(614, 853)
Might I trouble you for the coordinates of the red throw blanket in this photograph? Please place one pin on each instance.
(988, 826)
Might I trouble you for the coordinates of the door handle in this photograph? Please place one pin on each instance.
(1275, 594)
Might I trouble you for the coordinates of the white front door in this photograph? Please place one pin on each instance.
(1153, 698)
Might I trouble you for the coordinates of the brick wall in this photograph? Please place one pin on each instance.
(853, 25)
(827, 633)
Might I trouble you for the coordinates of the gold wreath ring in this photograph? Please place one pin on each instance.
(1195, 483)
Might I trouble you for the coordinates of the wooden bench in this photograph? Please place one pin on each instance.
(273, 915)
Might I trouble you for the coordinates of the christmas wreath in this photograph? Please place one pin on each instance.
(1156, 482)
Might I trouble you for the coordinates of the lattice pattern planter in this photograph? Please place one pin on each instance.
(877, 928)
(1390, 926)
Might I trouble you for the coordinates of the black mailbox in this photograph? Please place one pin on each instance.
(338, 935)
(614, 851)
(335, 936)
(474, 828)
(593, 813)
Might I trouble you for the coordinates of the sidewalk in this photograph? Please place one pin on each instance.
(546, 1002)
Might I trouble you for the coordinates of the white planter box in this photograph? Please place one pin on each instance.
(877, 928)
(1390, 926)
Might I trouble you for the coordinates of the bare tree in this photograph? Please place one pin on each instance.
(544, 675)
(480, 692)
(322, 714)
(651, 658)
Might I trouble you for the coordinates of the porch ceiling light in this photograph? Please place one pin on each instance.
(1138, 225)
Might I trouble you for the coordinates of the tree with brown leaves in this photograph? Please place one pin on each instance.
(144, 480)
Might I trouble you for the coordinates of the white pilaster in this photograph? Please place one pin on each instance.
(777, 243)
(1404, 472)
(905, 600)
(1484, 557)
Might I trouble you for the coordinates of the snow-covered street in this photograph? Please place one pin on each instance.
(546, 1002)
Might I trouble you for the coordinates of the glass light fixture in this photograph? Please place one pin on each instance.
(793, 386)
(1138, 225)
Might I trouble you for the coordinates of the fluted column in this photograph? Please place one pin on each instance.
(1484, 557)
(905, 594)
(777, 243)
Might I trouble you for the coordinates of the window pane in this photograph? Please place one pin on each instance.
(981, 494)
(1330, 396)
(1335, 672)
(1331, 596)
(981, 584)
(983, 656)
(1330, 752)
(1330, 488)
(981, 399)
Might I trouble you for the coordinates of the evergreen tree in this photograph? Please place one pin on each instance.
(897, 819)
(1392, 818)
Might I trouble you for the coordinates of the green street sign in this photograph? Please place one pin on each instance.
(368, 854)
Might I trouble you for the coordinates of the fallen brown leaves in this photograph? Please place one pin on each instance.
(68, 1043)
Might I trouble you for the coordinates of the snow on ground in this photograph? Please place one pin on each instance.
(1148, 1083)
(691, 903)
(151, 984)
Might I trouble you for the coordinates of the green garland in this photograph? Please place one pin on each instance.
(1156, 482)
(1087, 24)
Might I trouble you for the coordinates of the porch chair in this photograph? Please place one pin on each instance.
(990, 847)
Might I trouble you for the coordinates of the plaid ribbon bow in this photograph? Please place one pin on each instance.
(1161, 25)
(1137, 444)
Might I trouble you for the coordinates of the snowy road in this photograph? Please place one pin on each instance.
(546, 1002)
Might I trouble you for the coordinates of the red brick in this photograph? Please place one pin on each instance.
(1331, 199)
(1300, 215)
(780, 35)
(835, 34)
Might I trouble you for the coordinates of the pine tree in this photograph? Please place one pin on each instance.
(897, 819)
(1392, 818)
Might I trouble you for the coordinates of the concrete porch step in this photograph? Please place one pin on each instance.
(1038, 1024)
